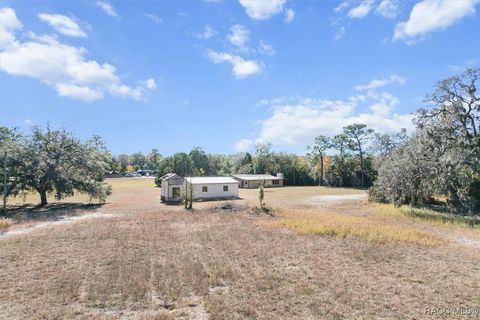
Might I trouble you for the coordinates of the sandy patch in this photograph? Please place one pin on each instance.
(339, 198)
(60, 221)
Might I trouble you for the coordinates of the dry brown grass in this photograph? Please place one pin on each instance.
(5, 223)
(370, 228)
(293, 196)
(173, 264)
(161, 262)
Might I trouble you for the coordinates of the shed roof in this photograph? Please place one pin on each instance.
(251, 177)
(169, 175)
(211, 180)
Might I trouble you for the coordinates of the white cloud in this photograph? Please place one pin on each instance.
(154, 18)
(431, 15)
(239, 36)
(64, 67)
(241, 68)
(295, 121)
(362, 9)
(150, 84)
(207, 33)
(29, 122)
(342, 6)
(340, 33)
(459, 68)
(266, 48)
(289, 16)
(63, 24)
(107, 8)
(262, 9)
(380, 109)
(388, 8)
(9, 23)
(82, 93)
(299, 123)
(377, 83)
(243, 145)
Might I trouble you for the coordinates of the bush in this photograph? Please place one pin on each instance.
(374, 194)
(474, 193)
(5, 223)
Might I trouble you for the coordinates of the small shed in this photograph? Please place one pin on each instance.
(252, 181)
(172, 185)
(213, 188)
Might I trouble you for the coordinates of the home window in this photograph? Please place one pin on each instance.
(175, 192)
(204, 189)
(225, 188)
(275, 182)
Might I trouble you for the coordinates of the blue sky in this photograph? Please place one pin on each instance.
(224, 75)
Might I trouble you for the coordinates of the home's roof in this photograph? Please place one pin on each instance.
(210, 180)
(169, 175)
(256, 177)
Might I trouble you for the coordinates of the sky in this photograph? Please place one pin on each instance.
(225, 75)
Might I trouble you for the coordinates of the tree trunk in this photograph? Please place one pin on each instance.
(321, 170)
(362, 169)
(43, 198)
(5, 186)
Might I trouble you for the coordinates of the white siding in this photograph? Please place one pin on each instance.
(215, 191)
(167, 191)
(164, 189)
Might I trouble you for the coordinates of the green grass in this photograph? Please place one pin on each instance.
(122, 183)
(118, 183)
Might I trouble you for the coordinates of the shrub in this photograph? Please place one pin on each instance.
(5, 223)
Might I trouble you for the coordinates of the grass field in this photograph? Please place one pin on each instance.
(125, 183)
(325, 258)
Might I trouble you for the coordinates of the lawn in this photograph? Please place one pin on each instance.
(145, 260)
(119, 183)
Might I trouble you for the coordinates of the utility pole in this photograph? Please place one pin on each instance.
(5, 187)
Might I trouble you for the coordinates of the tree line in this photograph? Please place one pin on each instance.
(441, 158)
(350, 166)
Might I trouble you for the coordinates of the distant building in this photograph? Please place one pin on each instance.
(204, 188)
(252, 181)
(172, 185)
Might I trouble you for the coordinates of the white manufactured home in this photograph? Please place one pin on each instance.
(203, 188)
(212, 188)
(252, 181)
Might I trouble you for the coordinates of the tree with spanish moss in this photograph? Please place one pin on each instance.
(442, 156)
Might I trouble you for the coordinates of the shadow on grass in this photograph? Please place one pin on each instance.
(440, 214)
(49, 212)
